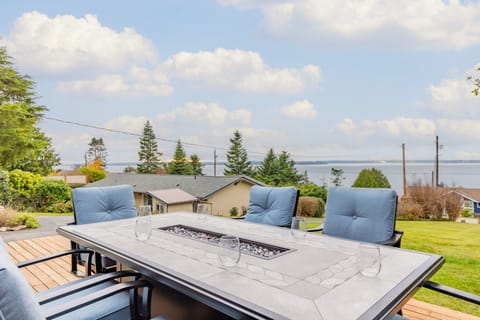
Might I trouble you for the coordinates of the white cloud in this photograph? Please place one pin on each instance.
(467, 155)
(243, 70)
(130, 124)
(65, 42)
(139, 81)
(455, 97)
(211, 114)
(301, 109)
(347, 126)
(403, 126)
(424, 23)
(395, 127)
(465, 129)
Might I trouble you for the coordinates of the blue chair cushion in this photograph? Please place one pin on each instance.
(272, 205)
(95, 204)
(17, 300)
(363, 214)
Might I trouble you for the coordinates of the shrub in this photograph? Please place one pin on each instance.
(23, 219)
(93, 174)
(23, 182)
(51, 195)
(234, 212)
(312, 190)
(466, 213)
(371, 178)
(310, 207)
(6, 215)
(408, 209)
(426, 202)
(453, 205)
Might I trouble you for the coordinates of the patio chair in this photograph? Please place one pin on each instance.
(97, 204)
(272, 205)
(93, 297)
(362, 214)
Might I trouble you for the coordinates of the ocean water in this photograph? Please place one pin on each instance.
(452, 174)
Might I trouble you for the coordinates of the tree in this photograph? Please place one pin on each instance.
(22, 144)
(266, 170)
(197, 166)
(476, 84)
(237, 158)
(148, 153)
(41, 161)
(338, 177)
(179, 163)
(94, 171)
(97, 151)
(5, 190)
(287, 173)
(371, 178)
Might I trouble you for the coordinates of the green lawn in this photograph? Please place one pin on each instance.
(459, 244)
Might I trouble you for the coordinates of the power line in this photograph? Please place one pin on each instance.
(76, 123)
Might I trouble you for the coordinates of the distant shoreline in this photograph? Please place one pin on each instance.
(312, 162)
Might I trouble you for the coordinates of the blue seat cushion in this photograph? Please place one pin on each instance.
(96, 204)
(272, 205)
(363, 214)
(17, 300)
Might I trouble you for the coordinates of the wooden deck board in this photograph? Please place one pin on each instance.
(56, 272)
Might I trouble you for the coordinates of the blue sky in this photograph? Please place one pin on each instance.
(320, 79)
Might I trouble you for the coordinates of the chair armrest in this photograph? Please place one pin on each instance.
(316, 229)
(58, 255)
(83, 301)
(84, 284)
(467, 296)
(395, 240)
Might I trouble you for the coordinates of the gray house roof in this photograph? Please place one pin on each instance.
(202, 187)
(173, 196)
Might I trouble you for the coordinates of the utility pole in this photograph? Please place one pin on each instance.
(436, 162)
(404, 172)
(214, 162)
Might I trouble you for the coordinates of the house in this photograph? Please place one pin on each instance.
(170, 200)
(471, 199)
(220, 193)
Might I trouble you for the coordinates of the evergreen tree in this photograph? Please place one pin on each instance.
(338, 177)
(179, 163)
(371, 178)
(22, 144)
(287, 173)
(267, 169)
(148, 153)
(237, 158)
(97, 151)
(197, 166)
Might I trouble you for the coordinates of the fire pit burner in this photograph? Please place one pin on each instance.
(250, 247)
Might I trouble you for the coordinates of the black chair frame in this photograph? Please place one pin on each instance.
(140, 308)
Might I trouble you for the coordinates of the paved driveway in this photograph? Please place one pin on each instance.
(48, 227)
